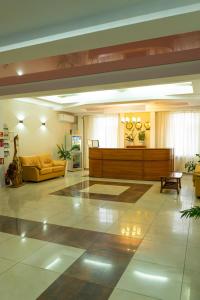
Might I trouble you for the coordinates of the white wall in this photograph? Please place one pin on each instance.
(33, 138)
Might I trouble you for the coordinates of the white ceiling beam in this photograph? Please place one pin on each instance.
(141, 28)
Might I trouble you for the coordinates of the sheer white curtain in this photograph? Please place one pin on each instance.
(104, 128)
(181, 131)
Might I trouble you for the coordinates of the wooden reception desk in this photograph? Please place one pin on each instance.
(146, 164)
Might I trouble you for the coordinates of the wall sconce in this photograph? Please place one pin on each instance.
(43, 124)
(20, 124)
(43, 120)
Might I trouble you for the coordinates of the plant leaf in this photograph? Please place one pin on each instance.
(193, 212)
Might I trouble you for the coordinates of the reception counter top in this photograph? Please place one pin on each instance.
(139, 164)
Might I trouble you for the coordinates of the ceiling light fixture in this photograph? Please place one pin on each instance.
(20, 72)
(134, 93)
(135, 123)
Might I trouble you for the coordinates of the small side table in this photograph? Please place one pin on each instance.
(171, 181)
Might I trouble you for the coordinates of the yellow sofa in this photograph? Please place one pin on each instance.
(41, 167)
(197, 186)
(196, 180)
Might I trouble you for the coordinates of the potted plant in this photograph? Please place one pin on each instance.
(130, 137)
(66, 154)
(190, 165)
(141, 136)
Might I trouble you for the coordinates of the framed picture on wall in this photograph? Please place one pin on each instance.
(93, 143)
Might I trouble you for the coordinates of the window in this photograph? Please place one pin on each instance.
(181, 131)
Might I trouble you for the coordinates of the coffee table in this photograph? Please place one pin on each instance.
(170, 181)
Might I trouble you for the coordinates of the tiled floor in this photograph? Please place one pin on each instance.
(110, 191)
(73, 247)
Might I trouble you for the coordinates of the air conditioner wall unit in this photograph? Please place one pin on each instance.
(66, 118)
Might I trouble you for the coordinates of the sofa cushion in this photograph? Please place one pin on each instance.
(46, 170)
(45, 160)
(197, 168)
(59, 163)
(58, 168)
(30, 161)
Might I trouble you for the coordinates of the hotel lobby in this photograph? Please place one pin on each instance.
(100, 150)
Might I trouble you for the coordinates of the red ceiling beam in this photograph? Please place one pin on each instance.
(155, 52)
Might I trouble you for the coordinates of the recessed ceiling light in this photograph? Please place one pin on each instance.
(20, 72)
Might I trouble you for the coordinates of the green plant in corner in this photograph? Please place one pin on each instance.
(193, 212)
(66, 154)
(190, 165)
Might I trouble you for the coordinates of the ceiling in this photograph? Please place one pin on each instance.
(41, 29)
(27, 20)
(174, 93)
(35, 29)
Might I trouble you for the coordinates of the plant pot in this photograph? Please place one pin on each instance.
(66, 167)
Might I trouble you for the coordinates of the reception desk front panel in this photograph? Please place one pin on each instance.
(146, 164)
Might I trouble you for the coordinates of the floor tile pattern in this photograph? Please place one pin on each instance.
(54, 236)
(120, 192)
(98, 268)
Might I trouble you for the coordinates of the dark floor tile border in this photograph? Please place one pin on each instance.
(88, 277)
(69, 288)
(69, 236)
(131, 195)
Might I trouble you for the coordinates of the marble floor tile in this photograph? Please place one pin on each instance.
(66, 219)
(18, 248)
(189, 293)
(116, 243)
(191, 279)
(194, 240)
(194, 225)
(168, 219)
(54, 257)
(104, 213)
(153, 280)
(6, 264)
(105, 189)
(17, 226)
(101, 224)
(119, 205)
(118, 294)
(25, 282)
(167, 237)
(64, 235)
(192, 261)
(169, 229)
(135, 215)
(5, 236)
(160, 253)
(74, 288)
(134, 230)
(99, 266)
